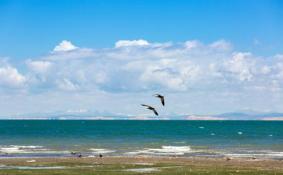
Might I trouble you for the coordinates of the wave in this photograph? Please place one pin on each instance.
(188, 151)
(101, 151)
(256, 154)
(182, 151)
(31, 149)
(20, 149)
(164, 150)
(4, 167)
(27, 147)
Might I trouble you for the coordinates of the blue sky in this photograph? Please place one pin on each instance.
(221, 56)
(30, 28)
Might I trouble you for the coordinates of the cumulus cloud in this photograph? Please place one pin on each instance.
(192, 44)
(10, 77)
(73, 54)
(129, 43)
(39, 66)
(64, 46)
(208, 73)
(171, 74)
(221, 45)
(241, 66)
(64, 51)
(66, 84)
(143, 66)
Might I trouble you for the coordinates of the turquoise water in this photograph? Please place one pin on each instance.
(157, 138)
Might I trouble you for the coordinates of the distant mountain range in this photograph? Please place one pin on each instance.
(251, 116)
(87, 115)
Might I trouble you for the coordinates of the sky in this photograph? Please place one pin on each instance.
(107, 57)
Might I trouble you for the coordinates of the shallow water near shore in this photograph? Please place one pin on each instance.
(54, 138)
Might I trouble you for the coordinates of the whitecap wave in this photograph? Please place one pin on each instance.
(20, 149)
(257, 154)
(30, 149)
(101, 151)
(164, 150)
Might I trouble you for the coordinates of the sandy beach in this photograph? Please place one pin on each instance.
(139, 165)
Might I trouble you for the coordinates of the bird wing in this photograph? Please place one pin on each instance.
(150, 108)
(155, 112)
(161, 97)
(162, 101)
(145, 105)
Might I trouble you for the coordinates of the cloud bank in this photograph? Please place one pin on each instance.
(197, 78)
(10, 77)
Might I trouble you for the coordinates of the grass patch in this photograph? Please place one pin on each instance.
(128, 166)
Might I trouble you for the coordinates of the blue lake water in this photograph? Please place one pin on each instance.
(41, 138)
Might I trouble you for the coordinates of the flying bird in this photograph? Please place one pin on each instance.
(161, 98)
(150, 108)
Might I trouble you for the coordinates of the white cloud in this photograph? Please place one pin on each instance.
(66, 85)
(74, 54)
(196, 73)
(39, 66)
(171, 74)
(192, 44)
(10, 77)
(221, 45)
(241, 66)
(265, 69)
(64, 46)
(164, 66)
(129, 43)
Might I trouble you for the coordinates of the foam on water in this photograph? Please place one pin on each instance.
(256, 154)
(8, 167)
(20, 149)
(164, 150)
(101, 151)
(143, 170)
(30, 149)
(3, 167)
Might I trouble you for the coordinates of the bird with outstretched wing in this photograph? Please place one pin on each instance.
(161, 97)
(150, 108)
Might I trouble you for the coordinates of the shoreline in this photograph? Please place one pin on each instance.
(150, 159)
(146, 156)
(191, 155)
(113, 165)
